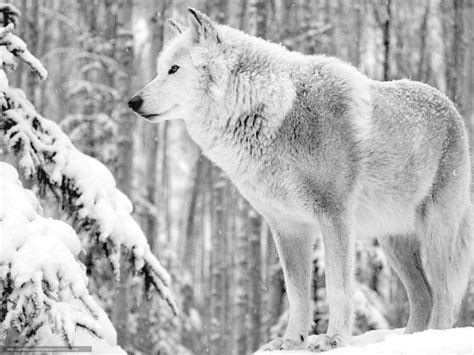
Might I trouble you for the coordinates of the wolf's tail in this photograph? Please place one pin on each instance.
(462, 258)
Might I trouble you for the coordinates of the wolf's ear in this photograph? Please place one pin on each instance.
(174, 27)
(202, 27)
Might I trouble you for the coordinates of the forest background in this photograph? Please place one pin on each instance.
(224, 266)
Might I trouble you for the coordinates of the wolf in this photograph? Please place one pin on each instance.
(317, 147)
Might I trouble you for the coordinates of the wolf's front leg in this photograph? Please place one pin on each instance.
(294, 245)
(338, 261)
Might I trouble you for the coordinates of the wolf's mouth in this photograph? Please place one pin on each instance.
(156, 115)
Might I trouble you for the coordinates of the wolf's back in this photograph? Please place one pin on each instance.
(417, 136)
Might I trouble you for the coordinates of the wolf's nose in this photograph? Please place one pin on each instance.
(135, 103)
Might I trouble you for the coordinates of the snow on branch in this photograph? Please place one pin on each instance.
(10, 14)
(43, 284)
(14, 44)
(17, 47)
(6, 30)
(85, 187)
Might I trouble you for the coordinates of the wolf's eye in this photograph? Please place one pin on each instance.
(173, 69)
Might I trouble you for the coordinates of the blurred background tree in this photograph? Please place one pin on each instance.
(219, 251)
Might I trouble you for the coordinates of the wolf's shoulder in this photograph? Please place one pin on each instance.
(335, 89)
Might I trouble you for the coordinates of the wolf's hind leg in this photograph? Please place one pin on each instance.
(446, 246)
(437, 227)
(403, 254)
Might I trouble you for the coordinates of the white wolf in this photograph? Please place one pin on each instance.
(315, 145)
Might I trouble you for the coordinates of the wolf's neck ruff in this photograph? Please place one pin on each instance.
(245, 117)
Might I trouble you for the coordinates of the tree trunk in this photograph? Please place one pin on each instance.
(385, 24)
(386, 40)
(124, 56)
(228, 271)
(219, 227)
(23, 31)
(164, 192)
(148, 326)
(33, 36)
(456, 56)
(151, 218)
(45, 42)
(187, 259)
(466, 314)
(358, 33)
(469, 109)
(156, 26)
(423, 39)
(255, 270)
(242, 286)
(258, 18)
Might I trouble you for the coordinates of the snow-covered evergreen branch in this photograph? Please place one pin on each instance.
(86, 187)
(43, 283)
(14, 44)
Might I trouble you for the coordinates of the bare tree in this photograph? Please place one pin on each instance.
(423, 39)
(455, 55)
(151, 132)
(385, 21)
(242, 286)
(124, 55)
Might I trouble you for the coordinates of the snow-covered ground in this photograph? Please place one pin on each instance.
(457, 341)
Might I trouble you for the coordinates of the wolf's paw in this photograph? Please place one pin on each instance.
(283, 344)
(324, 342)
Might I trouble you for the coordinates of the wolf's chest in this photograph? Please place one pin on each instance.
(273, 193)
(261, 177)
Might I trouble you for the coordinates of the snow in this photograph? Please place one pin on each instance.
(107, 345)
(99, 202)
(457, 341)
(43, 282)
(6, 30)
(11, 12)
(367, 303)
(16, 46)
(7, 59)
(99, 207)
(99, 346)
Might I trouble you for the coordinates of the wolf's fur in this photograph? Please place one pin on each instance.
(315, 145)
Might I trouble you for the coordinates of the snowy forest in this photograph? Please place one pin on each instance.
(118, 232)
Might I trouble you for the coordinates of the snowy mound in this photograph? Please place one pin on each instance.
(458, 341)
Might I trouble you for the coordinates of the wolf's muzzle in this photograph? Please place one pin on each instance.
(135, 103)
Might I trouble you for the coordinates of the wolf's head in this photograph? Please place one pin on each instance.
(230, 88)
(191, 72)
